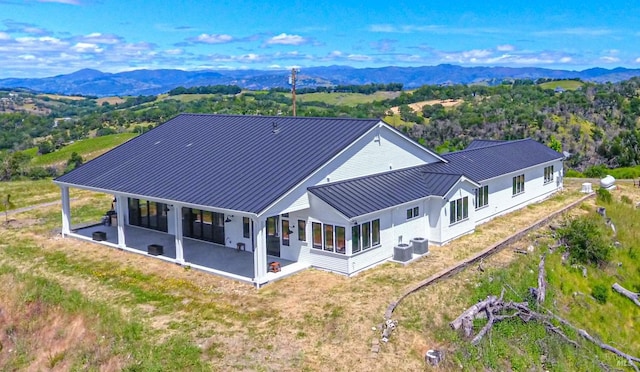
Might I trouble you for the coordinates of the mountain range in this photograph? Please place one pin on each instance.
(90, 82)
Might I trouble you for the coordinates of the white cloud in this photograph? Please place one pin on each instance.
(70, 2)
(638, 60)
(214, 38)
(174, 52)
(505, 48)
(382, 28)
(575, 31)
(565, 60)
(359, 57)
(284, 39)
(87, 48)
(99, 38)
(609, 59)
(4, 36)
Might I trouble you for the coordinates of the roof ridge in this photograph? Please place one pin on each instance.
(276, 116)
(498, 143)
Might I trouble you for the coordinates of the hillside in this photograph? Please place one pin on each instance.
(152, 82)
(71, 305)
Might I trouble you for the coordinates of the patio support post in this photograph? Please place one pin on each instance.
(66, 211)
(121, 210)
(259, 251)
(177, 218)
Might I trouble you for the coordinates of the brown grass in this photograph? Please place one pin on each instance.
(314, 319)
(110, 100)
(417, 106)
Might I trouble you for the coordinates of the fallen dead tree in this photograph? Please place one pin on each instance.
(495, 310)
(627, 293)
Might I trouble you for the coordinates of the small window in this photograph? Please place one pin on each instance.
(355, 239)
(413, 212)
(375, 232)
(518, 184)
(458, 210)
(302, 230)
(366, 235)
(245, 227)
(548, 174)
(328, 238)
(482, 197)
(317, 235)
(286, 233)
(340, 240)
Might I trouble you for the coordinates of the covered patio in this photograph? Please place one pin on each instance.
(202, 255)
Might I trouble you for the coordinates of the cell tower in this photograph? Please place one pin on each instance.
(292, 81)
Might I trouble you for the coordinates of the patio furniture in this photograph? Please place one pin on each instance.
(155, 249)
(99, 236)
(274, 267)
(241, 247)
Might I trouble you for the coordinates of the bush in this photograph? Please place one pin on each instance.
(604, 196)
(600, 293)
(625, 199)
(587, 240)
(596, 171)
(572, 173)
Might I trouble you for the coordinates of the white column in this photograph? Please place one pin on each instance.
(66, 211)
(121, 211)
(259, 250)
(177, 220)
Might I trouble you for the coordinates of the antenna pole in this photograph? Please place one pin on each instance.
(293, 89)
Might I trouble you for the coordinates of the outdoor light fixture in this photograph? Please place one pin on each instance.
(228, 219)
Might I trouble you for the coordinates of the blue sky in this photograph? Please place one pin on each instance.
(48, 37)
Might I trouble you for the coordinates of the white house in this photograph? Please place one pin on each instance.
(255, 198)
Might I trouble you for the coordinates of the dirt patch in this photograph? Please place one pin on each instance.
(417, 106)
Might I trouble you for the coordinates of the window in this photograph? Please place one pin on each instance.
(459, 210)
(340, 240)
(518, 184)
(302, 230)
(482, 197)
(355, 239)
(413, 212)
(364, 236)
(317, 235)
(285, 232)
(149, 214)
(328, 238)
(203, 225)
(548, 174)
(245, 227)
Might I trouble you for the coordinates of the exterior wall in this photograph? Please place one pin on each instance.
(502, 200)
(449, 231)
(379, 151)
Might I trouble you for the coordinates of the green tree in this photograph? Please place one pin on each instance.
(555, 144)
(74, 162)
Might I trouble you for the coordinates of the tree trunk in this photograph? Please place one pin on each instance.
(542, 283)
(627, 293)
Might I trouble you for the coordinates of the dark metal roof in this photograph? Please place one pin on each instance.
(489, 161)
(368, 194)
(234, 162)
(477, 143)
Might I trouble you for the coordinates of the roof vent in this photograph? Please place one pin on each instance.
(275, 129)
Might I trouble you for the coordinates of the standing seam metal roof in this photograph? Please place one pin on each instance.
(235, 162)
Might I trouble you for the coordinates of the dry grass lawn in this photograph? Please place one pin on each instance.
(313, 320)
(417, 106)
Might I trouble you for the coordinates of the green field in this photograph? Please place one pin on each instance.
(347, 99)
(564, 84)
(88, 149)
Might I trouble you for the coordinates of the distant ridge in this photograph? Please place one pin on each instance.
(146, 82)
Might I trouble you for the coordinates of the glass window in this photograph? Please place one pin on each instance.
(328, 237)
(355, 238)
(246, 233)
(340, 240)
(366, 235)
(302, 230)
(548, 174)
(458, 210)
(375, 232)
(482, 197)
(317, 235)
(518, 184)
(272, 226)
(285, 232)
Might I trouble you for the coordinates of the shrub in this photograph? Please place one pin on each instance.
(600, 293)
(596, 171)
(625, 199)
(587, 240)
(572, 173)
(603, 196)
